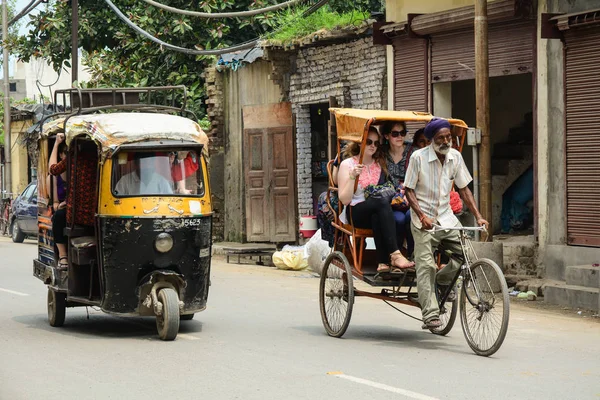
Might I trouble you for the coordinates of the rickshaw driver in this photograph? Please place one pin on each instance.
(142, 180)
(431, 172)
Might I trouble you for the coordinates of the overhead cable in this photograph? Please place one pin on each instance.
(26, 10)
(215, 52)
(236, 14)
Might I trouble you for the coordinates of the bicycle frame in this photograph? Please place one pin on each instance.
(465, 261)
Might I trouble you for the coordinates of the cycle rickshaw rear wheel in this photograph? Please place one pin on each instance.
(336, 294)
(484, 307)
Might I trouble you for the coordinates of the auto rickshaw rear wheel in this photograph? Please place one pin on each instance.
(167, 323)
(57, 306)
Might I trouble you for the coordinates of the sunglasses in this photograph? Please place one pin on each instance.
(370, 142)
(398, 133)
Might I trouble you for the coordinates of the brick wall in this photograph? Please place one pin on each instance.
(353, 72)
(215, 111)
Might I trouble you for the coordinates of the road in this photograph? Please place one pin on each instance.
(262, 338)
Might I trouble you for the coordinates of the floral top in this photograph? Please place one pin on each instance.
(397, 171)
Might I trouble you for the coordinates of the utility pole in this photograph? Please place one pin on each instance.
(7, 139)
(482, 95)
(74, 41)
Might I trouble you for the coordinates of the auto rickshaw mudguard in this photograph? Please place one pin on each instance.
(157, 280)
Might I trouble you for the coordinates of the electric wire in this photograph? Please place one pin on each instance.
(215, 52)
(235, 14)
(26, 10)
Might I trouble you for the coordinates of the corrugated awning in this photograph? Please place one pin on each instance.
(464, 17)
(577, 20)
(351, 122)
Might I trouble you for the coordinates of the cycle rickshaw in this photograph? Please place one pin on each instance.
(481, 290)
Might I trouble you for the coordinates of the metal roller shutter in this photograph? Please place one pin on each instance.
(510, 52)
(583, 136)
(411, 76)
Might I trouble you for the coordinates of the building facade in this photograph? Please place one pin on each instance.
(543, 98)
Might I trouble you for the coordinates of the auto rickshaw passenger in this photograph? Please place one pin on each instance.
(143, 179)
(183, 166)
(371, 213)
(59, 196)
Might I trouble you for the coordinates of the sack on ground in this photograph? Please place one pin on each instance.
(292, 258)
(317, 250)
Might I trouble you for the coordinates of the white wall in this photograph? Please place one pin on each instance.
(39, 69)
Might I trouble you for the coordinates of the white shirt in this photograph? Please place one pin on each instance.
(153, 183)
(432, 183)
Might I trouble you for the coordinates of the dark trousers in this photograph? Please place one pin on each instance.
(376, 214)
(59, 223)
(403, 231)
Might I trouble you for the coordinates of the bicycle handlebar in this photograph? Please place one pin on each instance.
(437, 228)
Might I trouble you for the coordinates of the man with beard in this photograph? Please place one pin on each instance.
(431, 173)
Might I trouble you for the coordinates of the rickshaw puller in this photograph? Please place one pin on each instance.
(429, 180)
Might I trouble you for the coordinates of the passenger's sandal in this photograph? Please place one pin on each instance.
(63, 263)
(400, 263)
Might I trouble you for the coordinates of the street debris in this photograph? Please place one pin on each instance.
(529, 295)
(292, 258)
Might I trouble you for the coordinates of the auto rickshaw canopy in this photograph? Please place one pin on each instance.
(112, 130)
(351, 123)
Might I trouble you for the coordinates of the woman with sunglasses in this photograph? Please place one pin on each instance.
(396, 151)
(370, 213)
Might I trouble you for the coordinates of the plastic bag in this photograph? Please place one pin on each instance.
(291, 258)
(317, 251)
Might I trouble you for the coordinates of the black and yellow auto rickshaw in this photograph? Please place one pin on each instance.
(138, 215)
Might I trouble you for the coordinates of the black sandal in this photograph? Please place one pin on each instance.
(65, 264)
(433, 323)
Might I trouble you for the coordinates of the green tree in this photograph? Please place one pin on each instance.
(117, 56)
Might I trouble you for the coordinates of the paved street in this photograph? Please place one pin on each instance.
(262, 338)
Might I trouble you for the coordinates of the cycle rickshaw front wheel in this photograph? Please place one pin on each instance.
(484, 307)
(336, 294)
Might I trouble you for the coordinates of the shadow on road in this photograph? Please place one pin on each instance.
(394, 337)
(100, 325)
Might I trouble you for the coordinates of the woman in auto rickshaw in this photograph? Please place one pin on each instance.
(144, 249)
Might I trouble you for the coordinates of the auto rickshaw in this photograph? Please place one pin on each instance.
(138, 217)
(482, 293)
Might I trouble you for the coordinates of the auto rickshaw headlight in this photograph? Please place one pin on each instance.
(163, 242)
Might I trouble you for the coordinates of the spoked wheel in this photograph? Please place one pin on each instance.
(447, 317)
(484, 307)
(336, 294)
(167, 323)
(57, 306)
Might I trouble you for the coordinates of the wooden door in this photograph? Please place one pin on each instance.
(269, 164)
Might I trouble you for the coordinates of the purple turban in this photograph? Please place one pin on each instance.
(434, 126)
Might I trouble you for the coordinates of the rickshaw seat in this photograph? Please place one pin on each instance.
(358, 231)
(83, 250)
(79, 230)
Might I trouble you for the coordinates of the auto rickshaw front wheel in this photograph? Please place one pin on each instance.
(167, 323)
(57, 306)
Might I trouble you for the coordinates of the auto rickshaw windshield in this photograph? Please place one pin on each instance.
(173, 172)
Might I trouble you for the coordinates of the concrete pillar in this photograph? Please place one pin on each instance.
(389, 52)
(442, 99)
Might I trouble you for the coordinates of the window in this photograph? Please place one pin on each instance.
(28, 192)
(174, 172)
(13, 86)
